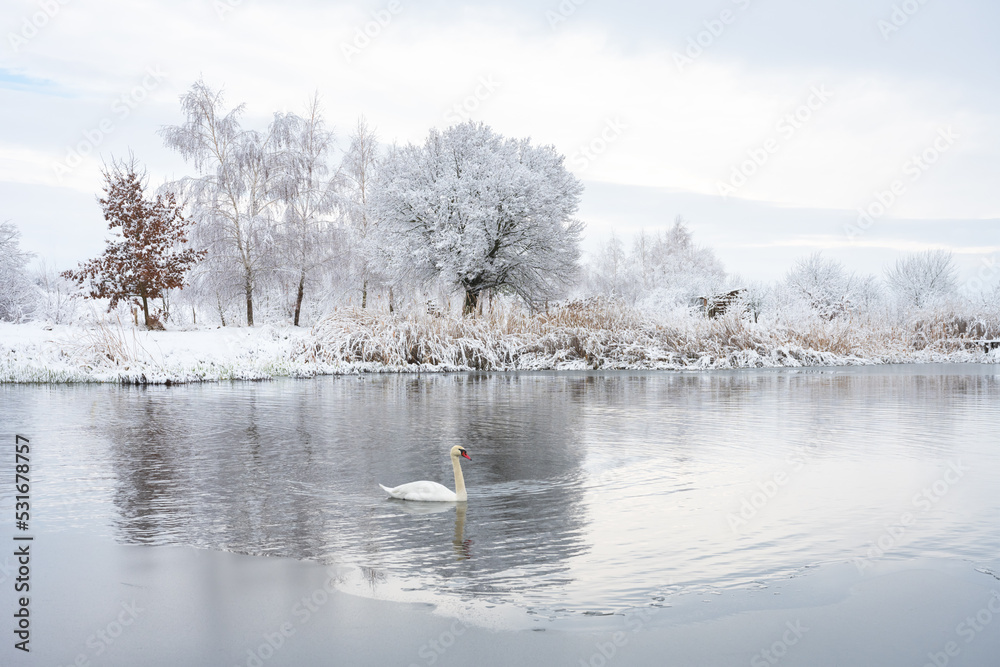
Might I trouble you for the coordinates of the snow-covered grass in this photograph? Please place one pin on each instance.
(116, 352)
(592, 334)
(599, 334)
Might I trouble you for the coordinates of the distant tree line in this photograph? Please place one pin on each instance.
(281, 224)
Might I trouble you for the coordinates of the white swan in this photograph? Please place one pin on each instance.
(432, 491)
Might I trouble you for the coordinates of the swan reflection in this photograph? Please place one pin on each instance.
(460, 545)
(407, 507)
(463, 547)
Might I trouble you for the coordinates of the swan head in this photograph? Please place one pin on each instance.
(457, 451)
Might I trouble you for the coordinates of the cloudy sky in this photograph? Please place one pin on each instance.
(862, 128)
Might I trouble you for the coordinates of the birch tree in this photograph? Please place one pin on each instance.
(233, 197)
(305, 187)
(483, 212)
(358, 174)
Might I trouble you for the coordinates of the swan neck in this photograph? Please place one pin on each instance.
(459, 480)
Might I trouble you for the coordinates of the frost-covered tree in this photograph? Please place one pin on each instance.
(17, 295)
(144, 257)
(481, 211)
(922, 279)
(233, 198)
(662, 270)
(304, 186)
(214, 290)
(58, 301)
(823, 284)
(867, 295)
(677, 267)
(756, 299)
(613, 274)
(358, 177)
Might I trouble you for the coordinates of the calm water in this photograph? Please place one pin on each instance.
(588, 492)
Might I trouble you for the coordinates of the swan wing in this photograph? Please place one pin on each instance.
(423, 491)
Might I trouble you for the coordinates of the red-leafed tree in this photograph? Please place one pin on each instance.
(144, 258)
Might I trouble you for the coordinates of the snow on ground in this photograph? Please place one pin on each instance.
(41, 353)
(355, 342)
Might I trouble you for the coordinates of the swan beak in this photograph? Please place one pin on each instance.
(466, 455)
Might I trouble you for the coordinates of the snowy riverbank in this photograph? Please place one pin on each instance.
(112, 353)
(351, 341)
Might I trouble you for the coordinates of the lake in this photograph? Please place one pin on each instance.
(589, 493)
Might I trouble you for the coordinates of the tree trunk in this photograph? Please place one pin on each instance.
(391, 307)
(298, 297)
(248, 287)
(471, 302)
(222, 310)
(364, 294)
(145, 306)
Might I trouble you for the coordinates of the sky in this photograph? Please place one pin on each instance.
(865, 129)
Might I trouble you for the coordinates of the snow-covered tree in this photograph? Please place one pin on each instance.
(144, 258)
(922, 279)
(305, 187)
(677, 267)
(358, 177)
(756, 299)
(17, 295)
(613, 273)
(213, 290)
(867, 295)
(58, 296)
(662, 270)
(233, 198)
(823, 284)
(482, 211)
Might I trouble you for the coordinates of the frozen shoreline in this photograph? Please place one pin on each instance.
(38, 353)
(117, 604)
